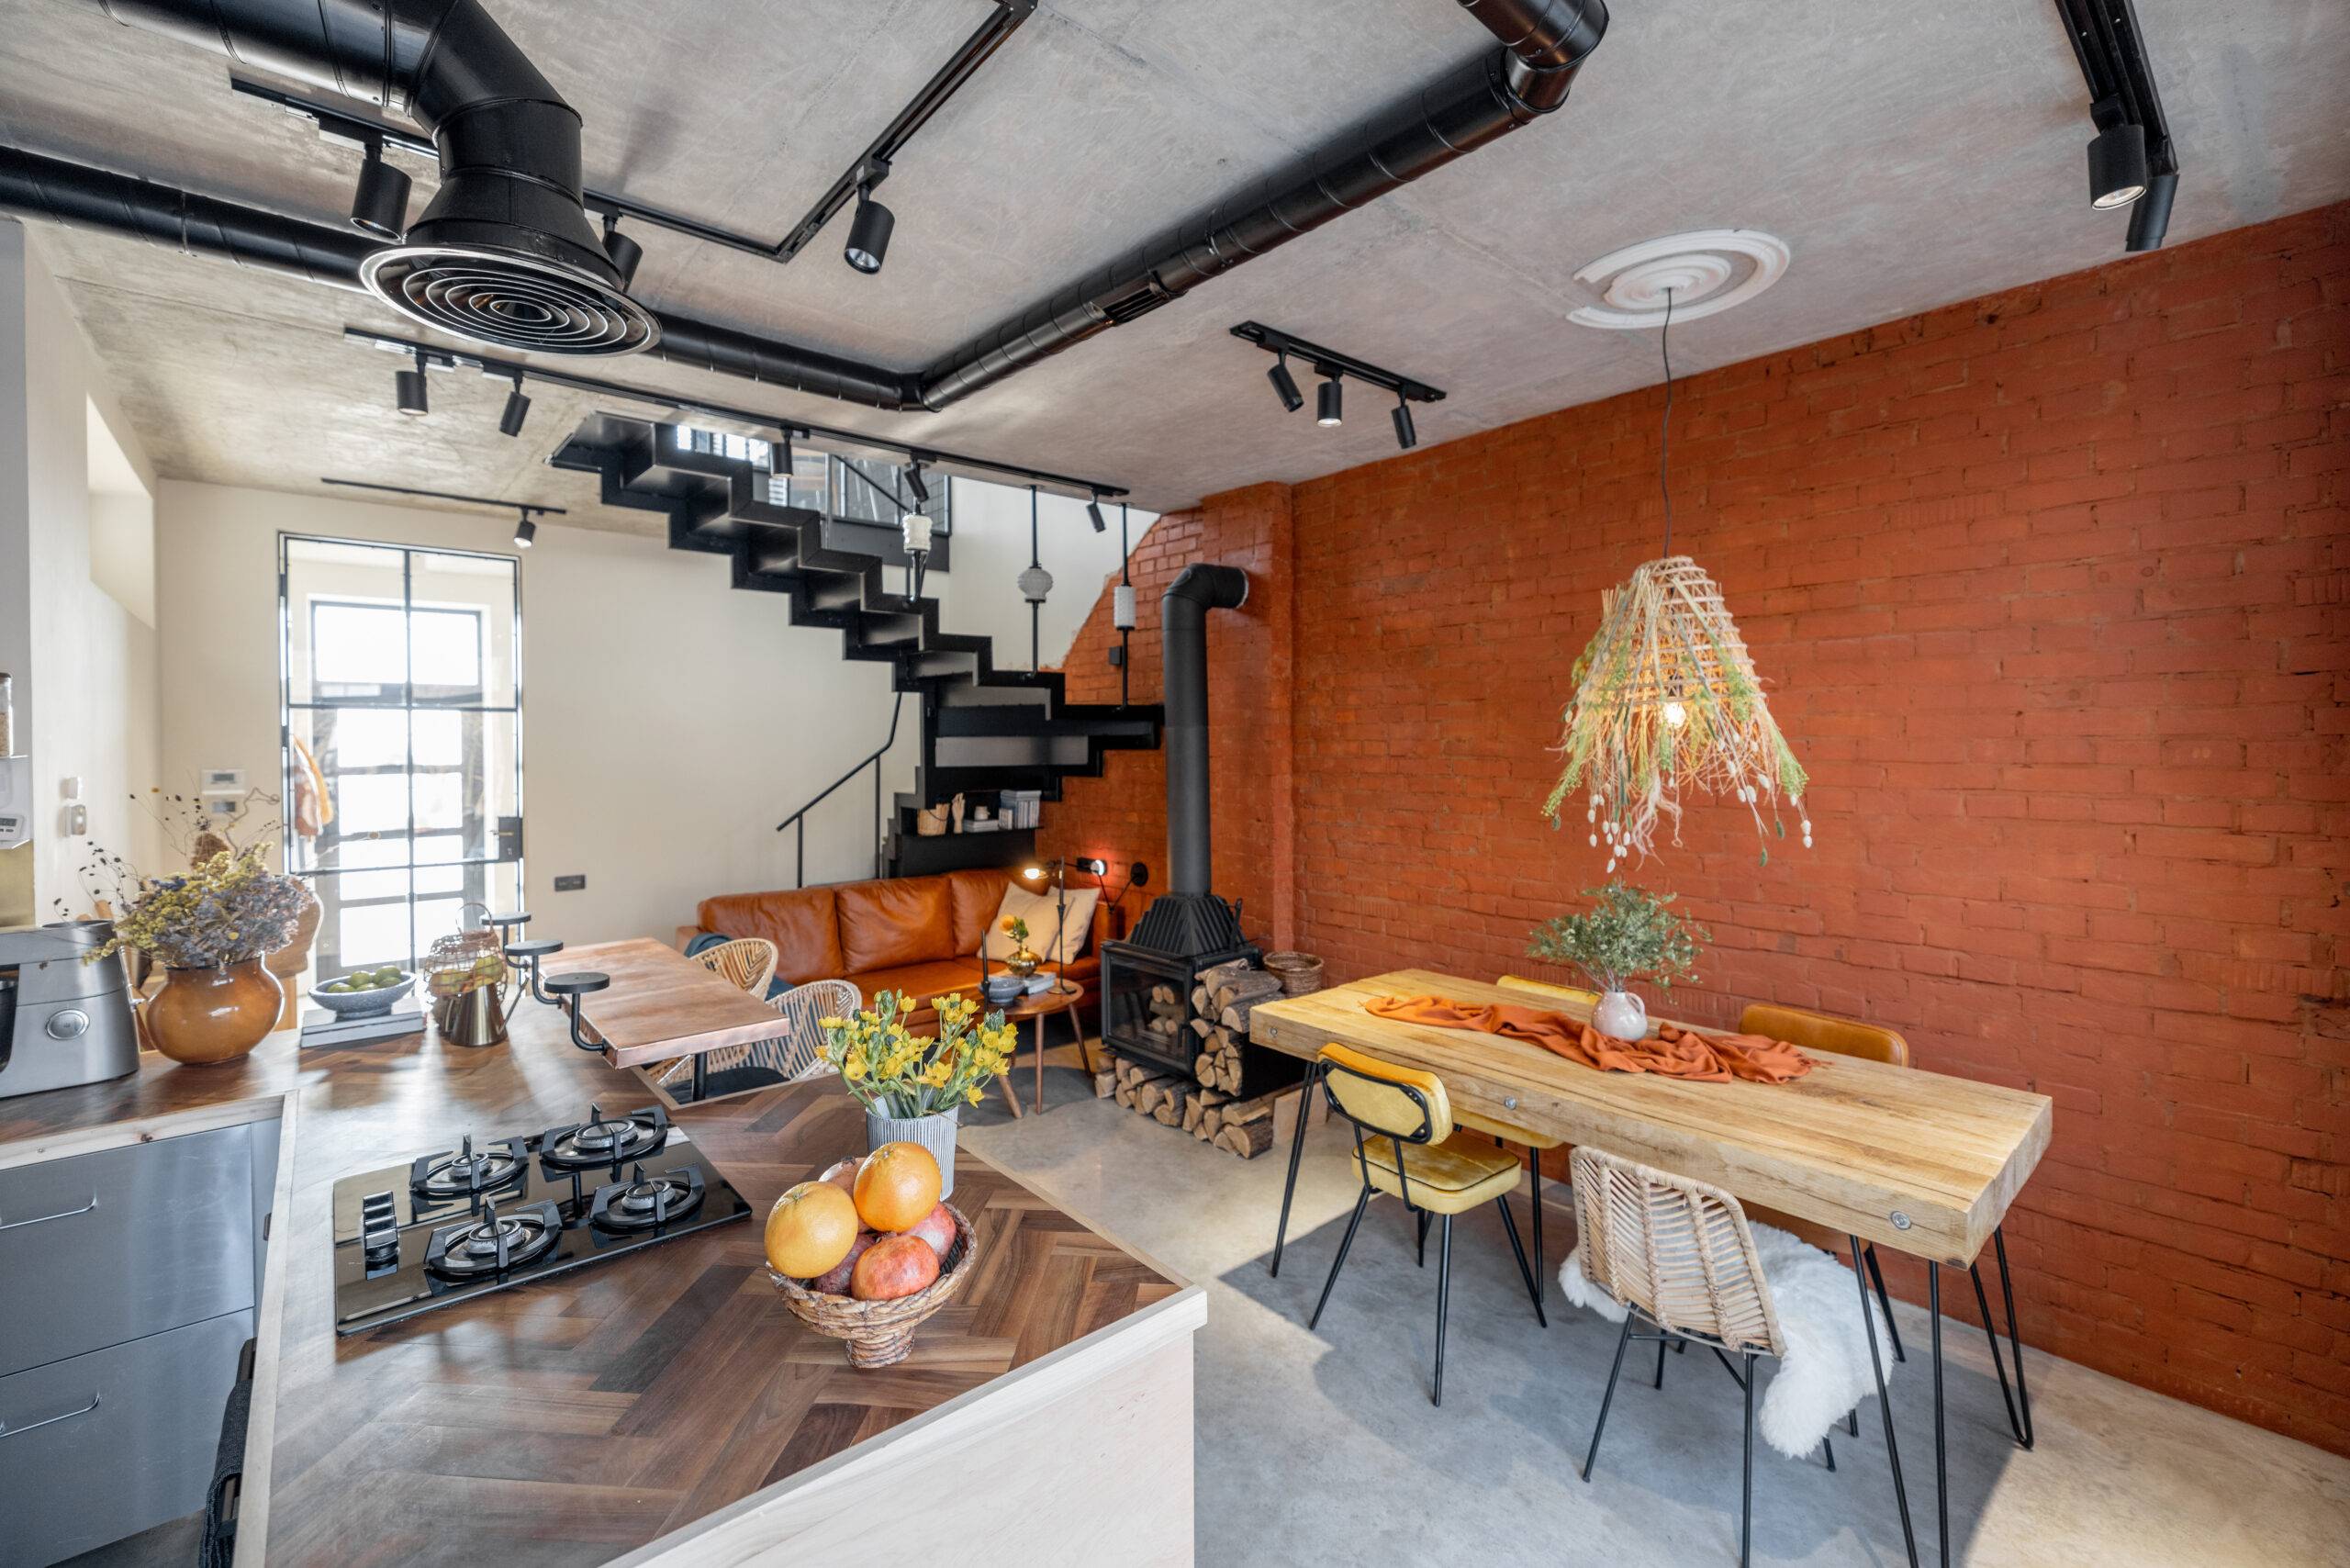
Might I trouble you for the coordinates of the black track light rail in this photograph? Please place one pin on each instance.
(503, 369)
(2110, 48)
(525, 507)
(1330, 362)
(870, 168)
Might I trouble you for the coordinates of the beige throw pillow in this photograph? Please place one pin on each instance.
(1039, 909)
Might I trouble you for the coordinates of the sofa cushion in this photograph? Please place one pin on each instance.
(922, 982)
(892, 923)
(801, 922)
(972, 897)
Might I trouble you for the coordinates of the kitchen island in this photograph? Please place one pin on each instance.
(664, 1408)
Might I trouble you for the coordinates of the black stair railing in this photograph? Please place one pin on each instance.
(799, 819)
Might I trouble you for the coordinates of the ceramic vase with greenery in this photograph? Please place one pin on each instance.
(1627, 934)
(210, 929)
(913, 1087)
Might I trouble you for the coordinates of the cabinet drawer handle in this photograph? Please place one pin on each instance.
(8, 1431)
(44, 1220)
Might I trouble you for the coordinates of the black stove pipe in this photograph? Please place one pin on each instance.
(1183, 630)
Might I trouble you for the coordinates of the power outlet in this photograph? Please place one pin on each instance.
(572, 884)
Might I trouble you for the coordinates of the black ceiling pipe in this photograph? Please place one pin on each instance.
(1544, 44)
(82, 197)
(505, 253)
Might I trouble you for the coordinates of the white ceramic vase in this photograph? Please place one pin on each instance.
(935, 1134)
(1621, 1016)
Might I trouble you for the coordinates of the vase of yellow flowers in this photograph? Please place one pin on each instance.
(1022, 962)
(913, 1087)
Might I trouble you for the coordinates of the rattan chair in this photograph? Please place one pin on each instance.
(804, 1008)
(1406, 1145)
(1679, 1254)
(749, 962)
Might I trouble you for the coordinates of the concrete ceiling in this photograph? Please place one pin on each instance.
(1911, 155)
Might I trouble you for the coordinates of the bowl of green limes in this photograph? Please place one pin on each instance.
(364, 991)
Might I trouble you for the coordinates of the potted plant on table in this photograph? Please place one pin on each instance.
(1627, 934)
(210, 929)
(913, 1087)
(1022, 962)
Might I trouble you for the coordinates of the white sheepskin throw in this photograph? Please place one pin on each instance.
(1826, 1371)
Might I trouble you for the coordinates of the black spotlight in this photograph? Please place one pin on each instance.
(1285, 385)
(379, 207)
(1405, 436)
(1093, 513)
(1326, 397)
(918, 485)
(525, 532)
(2118, 165)
(624, 252)
(518, 408)
(407, 389)
(868, 233)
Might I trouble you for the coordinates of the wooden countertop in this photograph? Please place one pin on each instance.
(574, 1419)
(661, 1004)
(1914, 1161)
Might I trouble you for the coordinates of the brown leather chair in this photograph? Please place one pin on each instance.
(1831, 1035)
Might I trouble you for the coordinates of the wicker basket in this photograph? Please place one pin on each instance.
(1300, 973)
(881, 1333)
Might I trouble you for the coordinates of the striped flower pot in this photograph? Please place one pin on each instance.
(935, 1134)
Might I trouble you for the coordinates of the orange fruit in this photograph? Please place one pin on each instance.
(810, 1231)
(897, 1186)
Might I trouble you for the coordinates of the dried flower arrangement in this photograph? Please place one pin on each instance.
(1627, 934)
(1666, 697)
(229, 910)
(895, 1072)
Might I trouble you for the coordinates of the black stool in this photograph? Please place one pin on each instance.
(526, 957)
(568, 989)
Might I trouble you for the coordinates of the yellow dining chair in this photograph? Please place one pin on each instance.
(1831, 1035)
(1407, 1145)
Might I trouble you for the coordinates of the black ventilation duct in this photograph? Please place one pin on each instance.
(1189, 919)
(1544, 44)
(505, 253)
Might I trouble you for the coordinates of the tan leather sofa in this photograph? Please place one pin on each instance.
(914, 934)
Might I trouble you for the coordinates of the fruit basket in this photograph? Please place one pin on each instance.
(881, 1333)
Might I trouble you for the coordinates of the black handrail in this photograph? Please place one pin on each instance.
(799, 817)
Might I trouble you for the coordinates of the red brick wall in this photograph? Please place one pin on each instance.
(2052, 592)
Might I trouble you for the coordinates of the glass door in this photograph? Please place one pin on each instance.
(402, 737)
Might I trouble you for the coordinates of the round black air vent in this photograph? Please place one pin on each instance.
(516, 302)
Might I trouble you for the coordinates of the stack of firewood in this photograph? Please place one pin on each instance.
(1166, 1018)
(1244, 1127)
(1222, 999)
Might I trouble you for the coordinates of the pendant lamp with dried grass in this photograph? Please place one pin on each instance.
(1667, 700)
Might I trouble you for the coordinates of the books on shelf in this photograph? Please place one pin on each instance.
(320, 1027)
(1021, 808)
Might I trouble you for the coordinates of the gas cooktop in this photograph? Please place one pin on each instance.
(488, 1213)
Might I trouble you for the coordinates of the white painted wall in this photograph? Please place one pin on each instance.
(981, 593)
(85, 665)
(668, 721)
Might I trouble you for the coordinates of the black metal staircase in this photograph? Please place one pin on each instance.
(984, 730)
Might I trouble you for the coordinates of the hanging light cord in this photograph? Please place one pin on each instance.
(1664, 433)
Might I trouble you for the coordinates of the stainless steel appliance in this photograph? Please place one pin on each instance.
(62, 1020)
(506, 1211)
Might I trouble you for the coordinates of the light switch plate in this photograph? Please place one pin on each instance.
(571, 884)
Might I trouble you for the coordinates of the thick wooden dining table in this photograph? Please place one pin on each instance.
(1917, 1161)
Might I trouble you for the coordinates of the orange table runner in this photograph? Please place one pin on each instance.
(1674, 1053)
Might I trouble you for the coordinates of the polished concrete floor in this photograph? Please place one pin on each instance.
(1322, 1448)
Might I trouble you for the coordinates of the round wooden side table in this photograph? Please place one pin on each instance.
(1039, 1007)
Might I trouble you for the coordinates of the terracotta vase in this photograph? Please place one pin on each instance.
(203, 1018)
